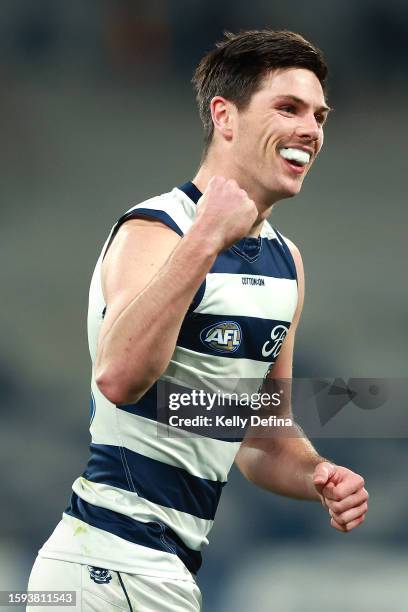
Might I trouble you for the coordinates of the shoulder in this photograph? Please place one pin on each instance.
(152, 226)
(174, 209)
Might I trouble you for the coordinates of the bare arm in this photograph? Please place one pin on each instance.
(290, 465)
(150, 277)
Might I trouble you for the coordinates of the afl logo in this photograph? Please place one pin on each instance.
(223, 337)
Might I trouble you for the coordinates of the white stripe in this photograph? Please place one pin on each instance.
(194, 369)
(76, 541)
(214, 373)
(191, 529)
(275, 300)
(105, 417)
(199, 456)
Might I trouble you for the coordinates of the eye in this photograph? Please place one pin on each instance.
(320, 118)
(288, 108)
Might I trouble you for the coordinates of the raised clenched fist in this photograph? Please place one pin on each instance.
(225, 213)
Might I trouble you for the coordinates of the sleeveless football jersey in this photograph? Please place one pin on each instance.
(146, 502)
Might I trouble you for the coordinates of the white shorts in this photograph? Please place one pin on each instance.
(104, 590)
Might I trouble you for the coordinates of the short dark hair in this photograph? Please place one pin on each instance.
(237, 65)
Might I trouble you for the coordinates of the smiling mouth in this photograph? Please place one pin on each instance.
(299, 157)
(295, 159)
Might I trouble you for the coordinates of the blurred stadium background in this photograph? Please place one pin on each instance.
(97, 113)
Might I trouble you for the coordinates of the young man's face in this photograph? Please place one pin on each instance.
(278, 136)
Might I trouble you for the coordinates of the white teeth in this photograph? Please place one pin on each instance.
(297, 155)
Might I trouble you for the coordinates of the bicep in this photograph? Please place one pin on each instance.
(140, 248)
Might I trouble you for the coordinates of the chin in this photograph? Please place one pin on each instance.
(288, 190)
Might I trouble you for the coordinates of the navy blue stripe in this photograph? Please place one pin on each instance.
(255, 332)
(160, 483)
(191, 191)
(146, 407)
(271, 261)
(143, 212)
(154, 214)
(154, 535)
(249, 247)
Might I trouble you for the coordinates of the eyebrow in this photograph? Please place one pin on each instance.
(321, 109)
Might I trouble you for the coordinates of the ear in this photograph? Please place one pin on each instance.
(222, 113)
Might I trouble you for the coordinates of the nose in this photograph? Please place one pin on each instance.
(308, 129)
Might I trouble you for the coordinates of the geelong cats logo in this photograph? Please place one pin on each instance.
(224, 337)
(274, 345)
(99, 575)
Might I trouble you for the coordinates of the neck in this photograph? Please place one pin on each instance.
(214, 164)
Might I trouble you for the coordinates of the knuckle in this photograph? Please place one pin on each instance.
(339, 518)
(362, 499)
(361, 481)
(335, 495)
(337, 507)
(355, 523)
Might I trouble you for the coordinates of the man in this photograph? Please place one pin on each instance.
(171, 279)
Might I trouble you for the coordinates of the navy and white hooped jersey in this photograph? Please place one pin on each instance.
(146, 502)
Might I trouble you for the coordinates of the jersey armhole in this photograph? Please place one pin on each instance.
(159, 215)
(288, 255)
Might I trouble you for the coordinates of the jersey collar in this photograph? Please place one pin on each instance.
(191, 191)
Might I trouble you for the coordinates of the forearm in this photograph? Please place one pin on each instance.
(141, 341)
(282, 465)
